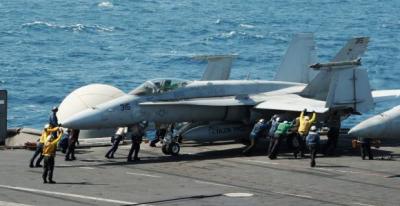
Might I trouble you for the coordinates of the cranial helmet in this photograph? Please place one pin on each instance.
(313, 128)
(46, 126)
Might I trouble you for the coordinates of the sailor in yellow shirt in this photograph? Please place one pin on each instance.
(49, 153)
(304, 127)
(47, 130)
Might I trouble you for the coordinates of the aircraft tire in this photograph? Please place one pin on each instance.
(165, 149)
(174, 148)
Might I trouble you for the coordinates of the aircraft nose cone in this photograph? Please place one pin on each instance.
(88, 119)
(370, 128)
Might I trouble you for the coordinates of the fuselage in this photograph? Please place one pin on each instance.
(381, 126)
(127, 110)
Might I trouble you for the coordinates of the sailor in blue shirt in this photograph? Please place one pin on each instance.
(312, 141)
(258, 130)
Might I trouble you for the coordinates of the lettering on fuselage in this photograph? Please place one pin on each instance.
(216, 131)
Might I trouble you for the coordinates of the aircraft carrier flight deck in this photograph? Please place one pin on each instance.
(214, 174)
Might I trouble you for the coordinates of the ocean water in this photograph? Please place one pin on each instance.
(50, 48)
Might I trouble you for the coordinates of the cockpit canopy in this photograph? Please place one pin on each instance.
(158, 86)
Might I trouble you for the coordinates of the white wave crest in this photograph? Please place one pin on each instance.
(247, 26)
(105, 4)
(228, 34)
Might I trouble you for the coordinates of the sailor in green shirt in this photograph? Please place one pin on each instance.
(281, 132)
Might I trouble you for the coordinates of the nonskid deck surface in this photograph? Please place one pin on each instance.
(201, 175)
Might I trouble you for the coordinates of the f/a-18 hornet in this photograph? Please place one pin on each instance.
(339, 86)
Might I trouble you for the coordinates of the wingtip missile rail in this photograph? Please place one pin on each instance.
(336, 65)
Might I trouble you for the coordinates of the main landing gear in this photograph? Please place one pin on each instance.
(171, 146)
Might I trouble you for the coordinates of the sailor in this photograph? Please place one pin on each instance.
(49, 153)
(53, 120)
(259, 129)
(137, 133)
(293, 137)
(312, 141)
(281, 132)
(161, 131)
(273, 122)
(365, 148)
(72, 141)
(118, 136)
(47, 130)
(333, 123)
(304, 127)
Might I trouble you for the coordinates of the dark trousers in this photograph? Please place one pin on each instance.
(313, 152)
(302, 144)
(70, 151)
(160, 134)
(38, 151)
(135, 147)
(48, 168)
(274, 147)
(114, 147)
(333, 136)
(366, 149)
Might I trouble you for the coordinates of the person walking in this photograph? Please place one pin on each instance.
(47, 130)
(49, 153)
(138, 131)
(312, 141)
(118, 136)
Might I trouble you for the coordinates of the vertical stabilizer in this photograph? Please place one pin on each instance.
(218, 67)
(354, 48)
(299, 55)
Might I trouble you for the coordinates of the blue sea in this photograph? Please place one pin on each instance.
(50, 48)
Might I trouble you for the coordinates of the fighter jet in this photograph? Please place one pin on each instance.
(340, 85)
(381, 126)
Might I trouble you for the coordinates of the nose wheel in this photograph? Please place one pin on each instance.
(172, 148)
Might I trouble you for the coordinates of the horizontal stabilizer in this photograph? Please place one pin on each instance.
(294, 103)
(386, 95)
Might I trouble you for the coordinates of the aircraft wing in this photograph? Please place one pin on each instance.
(213, 101)
(286, 102)
(386, 95)
(292, 102)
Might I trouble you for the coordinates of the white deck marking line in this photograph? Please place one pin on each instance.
(295, 195)
(363, 204)
(64, 165)
(351, 172)
(212, 183)
(12, 204)
(141, 174)
(263, 162)
(40, 191)
(87, 168)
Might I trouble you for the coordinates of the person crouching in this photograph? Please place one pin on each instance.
(49, 153)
